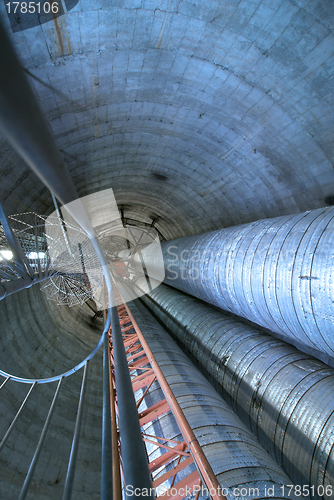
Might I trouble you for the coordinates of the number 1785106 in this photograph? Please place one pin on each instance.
(32, 7)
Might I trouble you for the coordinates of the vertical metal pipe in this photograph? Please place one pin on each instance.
(30, 473)
(38, 259)
(10, 428)
(134, 455)
(117, 486)
(106, 473)
(76, 438)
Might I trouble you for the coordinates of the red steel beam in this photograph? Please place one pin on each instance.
(139, 355)
(200, 459)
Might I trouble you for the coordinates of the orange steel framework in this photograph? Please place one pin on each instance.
(181, 453)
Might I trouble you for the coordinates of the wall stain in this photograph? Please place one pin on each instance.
(161, 34)
(61, 37)
(95, 84)
(63, 42)
(60, 42)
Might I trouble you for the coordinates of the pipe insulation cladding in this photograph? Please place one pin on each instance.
(278, 273)
(283, 395)
(240, 463)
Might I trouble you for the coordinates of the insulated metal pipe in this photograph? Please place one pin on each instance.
(202, 464)
(283, 395)
(278, 273)
(242, 467)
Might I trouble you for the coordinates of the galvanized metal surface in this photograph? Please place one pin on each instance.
(277, 273)
(237, 458)
(283, 395)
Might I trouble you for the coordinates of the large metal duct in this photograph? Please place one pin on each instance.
(283, 395)
(235, 455)
(277, 273)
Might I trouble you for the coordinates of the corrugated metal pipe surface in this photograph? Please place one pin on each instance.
(278, 273)
(237, 458)
(283, 395)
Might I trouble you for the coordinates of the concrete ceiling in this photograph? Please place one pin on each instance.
(198, 115)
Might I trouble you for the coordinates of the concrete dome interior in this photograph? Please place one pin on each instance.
(199, 115)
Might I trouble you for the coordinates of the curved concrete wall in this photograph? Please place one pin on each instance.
(199, 115)
(39, 339)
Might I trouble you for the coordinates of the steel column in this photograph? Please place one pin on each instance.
(133, 450)
(26, 127)
(116, 472)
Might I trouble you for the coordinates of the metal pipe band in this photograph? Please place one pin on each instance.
(283, 395)
(275, 272)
